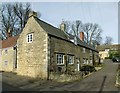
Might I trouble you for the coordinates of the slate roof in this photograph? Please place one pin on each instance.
(10, 42)
(51, 29)
(61, 34)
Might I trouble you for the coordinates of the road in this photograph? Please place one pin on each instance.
(6, 87)
(103, 80)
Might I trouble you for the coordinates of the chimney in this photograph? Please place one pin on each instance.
(9, 33)
(33, 13)
(62, 26)
(82, 36)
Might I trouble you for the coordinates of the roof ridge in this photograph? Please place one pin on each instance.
(47, 23)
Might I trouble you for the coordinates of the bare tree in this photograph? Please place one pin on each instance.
(92, 33)
(76, 26)
(87, 28)
(22, 12)
(14, 17)
(9, 18)
(108, 40)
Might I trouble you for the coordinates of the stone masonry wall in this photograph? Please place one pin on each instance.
(62, 46)
(32, 57)
(7, 63)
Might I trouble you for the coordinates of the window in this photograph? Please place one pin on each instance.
(90, 61)
(70, 59)
(87, 62)
(107, 50)
(60, 59)
(30, 37)
(90, 52)
(5, 63)
(84, 61)
(6, 51)
(83, 50)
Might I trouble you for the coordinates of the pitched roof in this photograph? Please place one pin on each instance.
(61, 34)
(81, 43)
(51, 29)
(11, 41)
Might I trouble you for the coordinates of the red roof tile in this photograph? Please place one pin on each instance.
(11, 41)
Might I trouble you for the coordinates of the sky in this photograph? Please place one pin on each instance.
(105, 14)
(102, 12)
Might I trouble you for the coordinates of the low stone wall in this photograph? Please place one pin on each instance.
(65, 77)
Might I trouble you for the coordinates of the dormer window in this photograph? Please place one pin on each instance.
(30, 38)
(83, 50)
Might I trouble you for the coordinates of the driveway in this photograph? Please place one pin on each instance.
(103, 80)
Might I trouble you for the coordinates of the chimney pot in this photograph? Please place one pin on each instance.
(62, 26)
(9, 33)
(82, 36)
(33, 13)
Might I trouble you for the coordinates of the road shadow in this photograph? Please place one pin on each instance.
(102, 85)
(12, 82)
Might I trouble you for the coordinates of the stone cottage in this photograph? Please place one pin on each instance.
(42, 49)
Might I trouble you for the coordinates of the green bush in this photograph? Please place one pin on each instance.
(113, 54)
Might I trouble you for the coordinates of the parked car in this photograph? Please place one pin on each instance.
(116, 59)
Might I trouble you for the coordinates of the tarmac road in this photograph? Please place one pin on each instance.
(6, 87)
(102, 80)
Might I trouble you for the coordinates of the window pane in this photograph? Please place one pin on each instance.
(59, 59)
(29, 37)
(70, 59)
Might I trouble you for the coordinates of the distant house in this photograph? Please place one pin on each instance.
(9, 54)
(42, 49)
(104, 50)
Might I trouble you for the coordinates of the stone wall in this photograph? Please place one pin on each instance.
(32, 57)
(8, 59)
(65, 77)
(61, 46)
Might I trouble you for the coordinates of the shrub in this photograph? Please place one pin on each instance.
(88, 68)
(106, 57)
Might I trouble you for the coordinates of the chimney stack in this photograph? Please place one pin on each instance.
(62, 26)
(33, 13)
(82, 36)
(9, 34)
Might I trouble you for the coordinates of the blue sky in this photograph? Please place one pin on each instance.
(103, 13)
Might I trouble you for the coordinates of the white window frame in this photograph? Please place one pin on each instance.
(90, 52)
(91, 61)
(70, 59)
(60, 59)
(84, 61)
(107, 50)
(29, 38)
